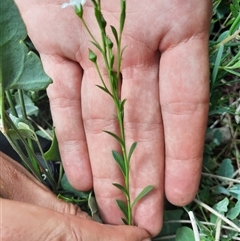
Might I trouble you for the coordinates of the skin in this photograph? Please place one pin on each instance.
(165, 77)
(43, 217)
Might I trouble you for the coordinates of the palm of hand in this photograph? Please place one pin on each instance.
(165, 81)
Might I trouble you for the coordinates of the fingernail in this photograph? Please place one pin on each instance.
(146, 239)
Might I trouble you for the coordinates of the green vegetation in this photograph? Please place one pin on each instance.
(24, 115)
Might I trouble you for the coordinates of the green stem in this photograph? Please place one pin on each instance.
(22, 105)
(101, 78)
(126, 163)
(11, 104)
(18, 149)
(89, 32)
(29, 141)
(106, 51)
(29, 164)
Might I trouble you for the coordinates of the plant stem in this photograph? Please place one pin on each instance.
(107, 54)
(11, 104)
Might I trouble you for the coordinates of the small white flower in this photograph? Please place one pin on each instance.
(74, 3)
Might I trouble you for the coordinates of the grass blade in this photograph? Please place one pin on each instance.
(217, 63)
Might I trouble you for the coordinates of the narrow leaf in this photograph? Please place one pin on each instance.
(112, 60)
(143, 193)
(125, 221)
(97, 46)
(132, 148)
(53, 154)
(217, 63)
(123, 15)
(116, 137)
(123, 207)
(235, 25)
(115, 34)
(119, 159)
(104, 89)
(122, 52)
(98, 16)
(123, 103)
(121, 188)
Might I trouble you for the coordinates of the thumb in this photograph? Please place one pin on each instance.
(50, 225)
(19, 185)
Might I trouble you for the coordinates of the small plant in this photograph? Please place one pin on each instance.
(106, 49)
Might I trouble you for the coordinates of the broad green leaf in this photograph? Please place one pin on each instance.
(20, 68)
(168, 227)
(132, 148)
(235, 190)
(235, 9)
(185, 234)
(30, 107)
(235, 211)
(67, 187)
(143, 193)
(53, 153)
(220, 190)
(123, 207)
(119, 159)
(222, 206)
(24, 132)
(121, 188)
(226, 168)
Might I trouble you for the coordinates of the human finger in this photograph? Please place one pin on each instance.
(184, 97)
(44, 224)
(65, 102)
(19, 185)
(143, 124)
(98, 115)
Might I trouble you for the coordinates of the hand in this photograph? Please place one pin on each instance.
(165, 81)
(36, 214)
